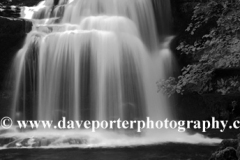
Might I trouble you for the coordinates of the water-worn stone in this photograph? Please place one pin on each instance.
(73, 141)
(228, 143)
(39, 142)
(45, 142)
(5, 141)
(16, 143)
(228, 153)
(26, 142)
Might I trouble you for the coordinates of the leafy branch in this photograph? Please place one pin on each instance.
(218, 47)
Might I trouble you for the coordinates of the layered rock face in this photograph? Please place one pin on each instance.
(12, 35)
(20, 2)
(13, 30)
(10, 11)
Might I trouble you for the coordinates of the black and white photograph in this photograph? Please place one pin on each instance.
(120, 79)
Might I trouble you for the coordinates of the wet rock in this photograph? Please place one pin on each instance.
(75, 141)
(29, 142)
(16, 143)
(32, 142)
(36, 142)
(44, 142)
(14, 26)
(5, 141)
(40, 142)
(228, 143)
(12, 35)
(10, 11)
(238, 149)
(19, 143)
(228, 153)
(20, 2)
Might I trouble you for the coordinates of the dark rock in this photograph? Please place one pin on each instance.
(228, 153)
(5, 141)
(238, 149)
(228, 143)
(37, 143)
(20, 2)
(12, 11)
(12, 34)
(28, 142)
(44, 142)
(14, 26)
(238, 137)
(209, 105)
(32, 142)
(24, 142)
(16, 143)
(75, 141)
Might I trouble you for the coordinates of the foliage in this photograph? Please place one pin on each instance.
(218, 48)
(230, 85)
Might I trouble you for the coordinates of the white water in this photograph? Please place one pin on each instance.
(108, 139)
(95, 60)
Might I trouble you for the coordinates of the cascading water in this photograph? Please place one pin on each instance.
(95, 60)
(91, 60)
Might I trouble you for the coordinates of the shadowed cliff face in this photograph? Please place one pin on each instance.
(13, 8)
(12, 34)
(13, 31)
(20, 2)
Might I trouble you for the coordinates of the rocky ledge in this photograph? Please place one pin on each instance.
(14, 142)
(229, 149)
(19, 2)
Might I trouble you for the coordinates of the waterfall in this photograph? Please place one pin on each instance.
(96, 60)
(91, 60)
